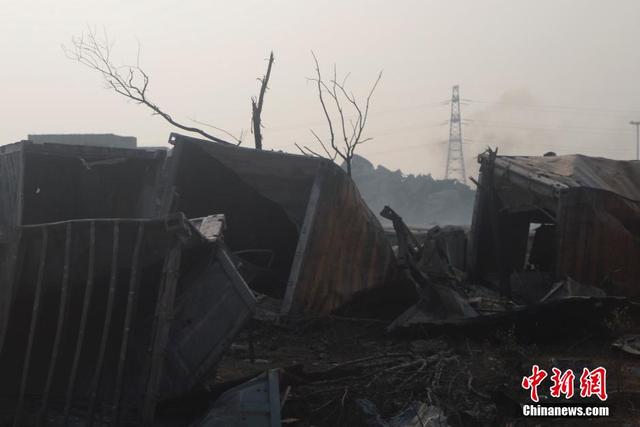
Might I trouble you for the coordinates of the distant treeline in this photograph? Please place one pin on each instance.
(421, 200)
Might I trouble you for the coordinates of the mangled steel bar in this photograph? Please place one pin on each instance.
(436, 300)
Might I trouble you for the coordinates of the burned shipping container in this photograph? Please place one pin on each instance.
(564, 216)
(58, 182)
(299, 224)
(102, 318)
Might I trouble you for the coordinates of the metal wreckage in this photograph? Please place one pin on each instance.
(143, 287)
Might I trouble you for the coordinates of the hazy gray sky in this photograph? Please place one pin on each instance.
(542, 74)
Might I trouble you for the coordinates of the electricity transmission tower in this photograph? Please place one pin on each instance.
(455, 157)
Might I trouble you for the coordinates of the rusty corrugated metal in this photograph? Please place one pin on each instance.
(598, 240)
(342, 250)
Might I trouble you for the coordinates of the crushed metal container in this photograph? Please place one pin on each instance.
(102, 318)
(42, 183)
(588, 214)
(297, 223)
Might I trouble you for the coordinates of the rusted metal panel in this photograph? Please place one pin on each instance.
(344, 251)
(99, 316)
(10, 187)
(42, 183)
(10, 258)
(67, 320)
(255, 403)
(598, 241)
(206, 319)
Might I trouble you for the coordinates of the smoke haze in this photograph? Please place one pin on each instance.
(534, 75)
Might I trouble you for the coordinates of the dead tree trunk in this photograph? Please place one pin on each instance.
(256, 106)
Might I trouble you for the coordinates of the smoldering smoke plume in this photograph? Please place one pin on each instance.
(520, 124)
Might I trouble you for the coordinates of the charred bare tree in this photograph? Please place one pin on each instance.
(256, 106)
(344, 142)
(130, 81)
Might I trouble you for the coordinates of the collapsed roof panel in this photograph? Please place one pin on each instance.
(620, 177)
(55, 182)
(285, 179)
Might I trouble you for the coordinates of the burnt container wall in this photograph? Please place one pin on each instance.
(83, 321)
(509, 219)
(64, 186)
(345, 250)
(259, 193)
(598, 241)
(10, 187)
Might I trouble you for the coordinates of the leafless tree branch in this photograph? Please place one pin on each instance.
(351, 136)
(238, 139)
(308, 151)
(330, 155)
(130, 81)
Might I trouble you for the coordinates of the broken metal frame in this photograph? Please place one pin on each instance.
(233, 296)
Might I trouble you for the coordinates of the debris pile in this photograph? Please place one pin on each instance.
(215, 285)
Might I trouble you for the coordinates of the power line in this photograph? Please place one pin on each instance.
(393, 130)
(523, 126)
(372, 113)
(408, 147)
(552, 107)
